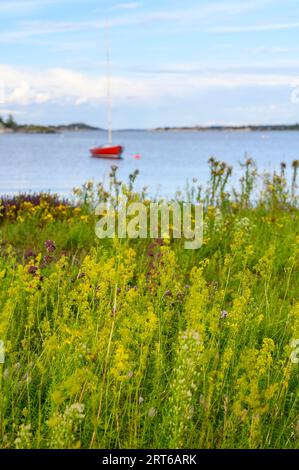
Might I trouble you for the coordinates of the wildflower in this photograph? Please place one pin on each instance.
(243, 224)
(76, 409)
(48, 259)
(167, 293)
(223, 314)
(184, 385)
(23, 439)
(50, 246)
(120, 363)
(32, 269)
(180, 296)
(134, 288)
(48, 218)
(63, 427)
(29, 254)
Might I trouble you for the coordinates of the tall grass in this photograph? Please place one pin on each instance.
(140, 343)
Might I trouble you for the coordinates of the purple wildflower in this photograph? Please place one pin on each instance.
(48, 259)
(32, 269)
(168, 293)
(50, 246)
(30, 254)
(223, 314)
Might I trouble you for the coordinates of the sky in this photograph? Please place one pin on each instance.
(173, 62)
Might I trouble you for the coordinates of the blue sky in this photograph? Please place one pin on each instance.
(174, 62)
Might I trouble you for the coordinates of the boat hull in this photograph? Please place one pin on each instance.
(113, 152)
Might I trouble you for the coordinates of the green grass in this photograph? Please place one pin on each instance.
(141, 343)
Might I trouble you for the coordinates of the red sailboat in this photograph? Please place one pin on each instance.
(108, 150)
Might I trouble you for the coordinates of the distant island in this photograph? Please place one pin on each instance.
(263, 128)
(10, 125)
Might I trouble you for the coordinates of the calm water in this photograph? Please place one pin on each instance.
(60, 162)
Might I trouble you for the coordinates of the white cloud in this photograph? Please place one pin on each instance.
(58, 85)
(262, 67)
(269, 108)
(64, 86)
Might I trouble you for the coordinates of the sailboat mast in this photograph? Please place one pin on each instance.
(108, 72)
(108, 150)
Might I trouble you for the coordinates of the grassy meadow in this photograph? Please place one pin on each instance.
(121, 343)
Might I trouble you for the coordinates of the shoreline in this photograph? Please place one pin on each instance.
(11, 126)
(66, 129)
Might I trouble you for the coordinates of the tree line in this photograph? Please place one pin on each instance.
(10, 123)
